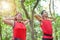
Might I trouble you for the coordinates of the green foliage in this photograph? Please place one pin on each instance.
(7, 30)
(29, 2)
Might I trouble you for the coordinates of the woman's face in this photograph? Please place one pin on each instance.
(18, 16)
(45, 14)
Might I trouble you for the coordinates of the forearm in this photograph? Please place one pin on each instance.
(38, 17)
(9, 18)
(8, 21)
(52, 18)
(25, 21)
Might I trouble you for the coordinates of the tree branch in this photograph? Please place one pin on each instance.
(32, 19)
(53, 8)
(34, 9)
(36, 4)
(50, 8)
(22, 4)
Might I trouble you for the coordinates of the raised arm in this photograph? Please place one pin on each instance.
(9, 21)
(25, 21)
(38, 17)
(52, 18)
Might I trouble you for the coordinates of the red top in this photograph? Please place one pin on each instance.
(19, 30)
(46, 26)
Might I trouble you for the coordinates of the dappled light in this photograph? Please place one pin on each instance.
(7, 7)
(29, 19)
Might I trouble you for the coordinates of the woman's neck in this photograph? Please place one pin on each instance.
(45, 18)
(18, 20)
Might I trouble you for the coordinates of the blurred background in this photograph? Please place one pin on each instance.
(28, 8)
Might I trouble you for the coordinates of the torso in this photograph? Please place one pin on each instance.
(19, 30)
(46, 26)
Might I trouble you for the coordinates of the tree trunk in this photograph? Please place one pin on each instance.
(50, 8)
(54, 16)
(28, 17)
(53, 7)
(32, 30)
(32, 20)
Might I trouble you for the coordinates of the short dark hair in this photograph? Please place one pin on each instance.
(43, 12)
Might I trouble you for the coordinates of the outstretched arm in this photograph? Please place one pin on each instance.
(52, 18)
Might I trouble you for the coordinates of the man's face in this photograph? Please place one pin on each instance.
(45, 14)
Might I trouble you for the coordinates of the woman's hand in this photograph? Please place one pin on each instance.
(8, 21)
(25, 21)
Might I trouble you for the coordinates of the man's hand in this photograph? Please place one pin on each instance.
(52, 18)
